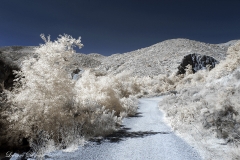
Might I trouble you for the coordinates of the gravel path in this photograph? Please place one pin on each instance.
(143, 137)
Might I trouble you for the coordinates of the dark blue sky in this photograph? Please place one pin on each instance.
(118, 26)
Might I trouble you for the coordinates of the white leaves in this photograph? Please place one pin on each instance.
(46, 40)
(64, 43)
(70, 42)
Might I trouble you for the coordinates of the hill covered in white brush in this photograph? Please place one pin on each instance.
(161, 58)
(52, 97)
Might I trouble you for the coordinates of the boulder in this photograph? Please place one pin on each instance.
(197, 61)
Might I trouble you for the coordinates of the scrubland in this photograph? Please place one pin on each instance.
(205, 111)
(51, 110)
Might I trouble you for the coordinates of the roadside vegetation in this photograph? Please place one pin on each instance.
(205, 110)
(48, 109)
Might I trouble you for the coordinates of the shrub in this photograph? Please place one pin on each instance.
(48, 106)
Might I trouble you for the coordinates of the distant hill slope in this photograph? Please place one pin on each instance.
(161, 58)
(14, 55)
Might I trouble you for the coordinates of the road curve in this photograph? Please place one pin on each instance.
(143, 137)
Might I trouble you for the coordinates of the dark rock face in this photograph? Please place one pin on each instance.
(197, 61)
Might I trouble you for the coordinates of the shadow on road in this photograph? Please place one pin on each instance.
(138, 114)
(124, 133)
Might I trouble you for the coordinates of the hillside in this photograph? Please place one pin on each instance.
(44, 103)
(161, 58)
(15, 55)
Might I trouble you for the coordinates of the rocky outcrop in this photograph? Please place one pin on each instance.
(197, 61)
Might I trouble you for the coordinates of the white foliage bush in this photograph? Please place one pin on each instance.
(46, 100)
(153, 86)
(45, 96)
(108, 91)
(229, 65)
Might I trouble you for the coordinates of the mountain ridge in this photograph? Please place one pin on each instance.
(160, 58)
